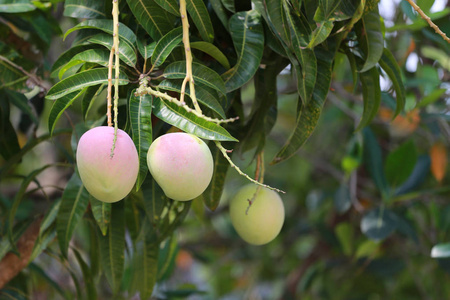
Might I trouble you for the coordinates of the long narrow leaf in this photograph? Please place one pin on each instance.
(370, 81)
(59, 106)
(101, 212)
(370, 38)
(126, 53)
(200, 17)
(165, 46)
(391, 67)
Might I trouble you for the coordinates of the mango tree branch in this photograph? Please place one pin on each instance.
(109, 97)
(427, 18)
(187, 50)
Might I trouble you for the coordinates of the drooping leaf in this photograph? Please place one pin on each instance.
(154, 200)
(126, 53)
(229, 4)
(370, 82)
(84, 9)
(59, 106)
(169, 5)
(18, 200)
(140, 108)
(17, 231)
(50, 216)
(145, 262)
(306, 67)
(400, 163)
(278, 20)
(248, 38)
(202, 75)
(107, 26)
(188, 122)
(89, 282)
(9, 144)
(212, 51)
(21, 102)
(208, 98)
(213, 193)
(155, 20)
(81, 80)
(146, 50)
(417, 177)
(90, 95)
(370, 39)
(220, 12)
(378, 224)
(112, 246)
(390, 66)
(74, 202)
(309, 113)
(200, 17)
(43, 242)
(165, 46)
(373, 161)
(16, 6)
(101, 212)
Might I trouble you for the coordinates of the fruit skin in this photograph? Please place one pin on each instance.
(181, 164)
(107, 179)
(263, 220)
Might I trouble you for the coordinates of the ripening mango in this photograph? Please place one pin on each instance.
(109, 179)
(181, 164)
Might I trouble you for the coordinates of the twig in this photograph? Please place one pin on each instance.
(115, 13)
(225, 154)
(187, 50)
(109, 97)
(33, 77)
(427, 18)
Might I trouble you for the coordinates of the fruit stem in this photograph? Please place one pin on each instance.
(259, 172)
(144, 89)
(224, 153)
(108, 97)
(115, 48)
(187, 50)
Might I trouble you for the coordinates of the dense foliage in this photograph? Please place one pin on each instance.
(366, 194)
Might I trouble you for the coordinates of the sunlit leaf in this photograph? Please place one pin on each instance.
(126, 52)
(16, 6)
(212, 51)
(74, 202)
(440, 250)
(165, 46)
(84, 9)
(378, 224)
(97, 56)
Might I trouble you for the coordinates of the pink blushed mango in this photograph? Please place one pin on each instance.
(181, 164)
(109, 179)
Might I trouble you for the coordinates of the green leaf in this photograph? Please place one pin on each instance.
(88, 278)
(50, 216)
(84, 9)
(370, 38)
(107, 26)
(213, 193)
(140, 108)
(64, 58)
(18, 199)
(165, 46)
(17, 231)
(418, 175)
(154, 200)
(278, 20)
(112, 247)
(9, 144)
(248, 38)
(59, 106)
(96, 56)
(145, 263)
(370, 82)
(146, 50)
(39, 271)
(229, 4)
(400, 163)
(390, 66)
(378, 224)
(42, 242)
(306, 68)
(188, 122)
(309, 113)
(90, 95)
(209, 98)
(431, 98)
(373, 161)
(321, 33)
(341, 199)
(152, 17)
(212, 51)
(81, 80)
(101, 212)
(220, 12)
(170, 6)
(200, 16)
(74, 202)
(126, 53)
(344, 232)
(440, 251)
(202, 75)
(16, 6)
